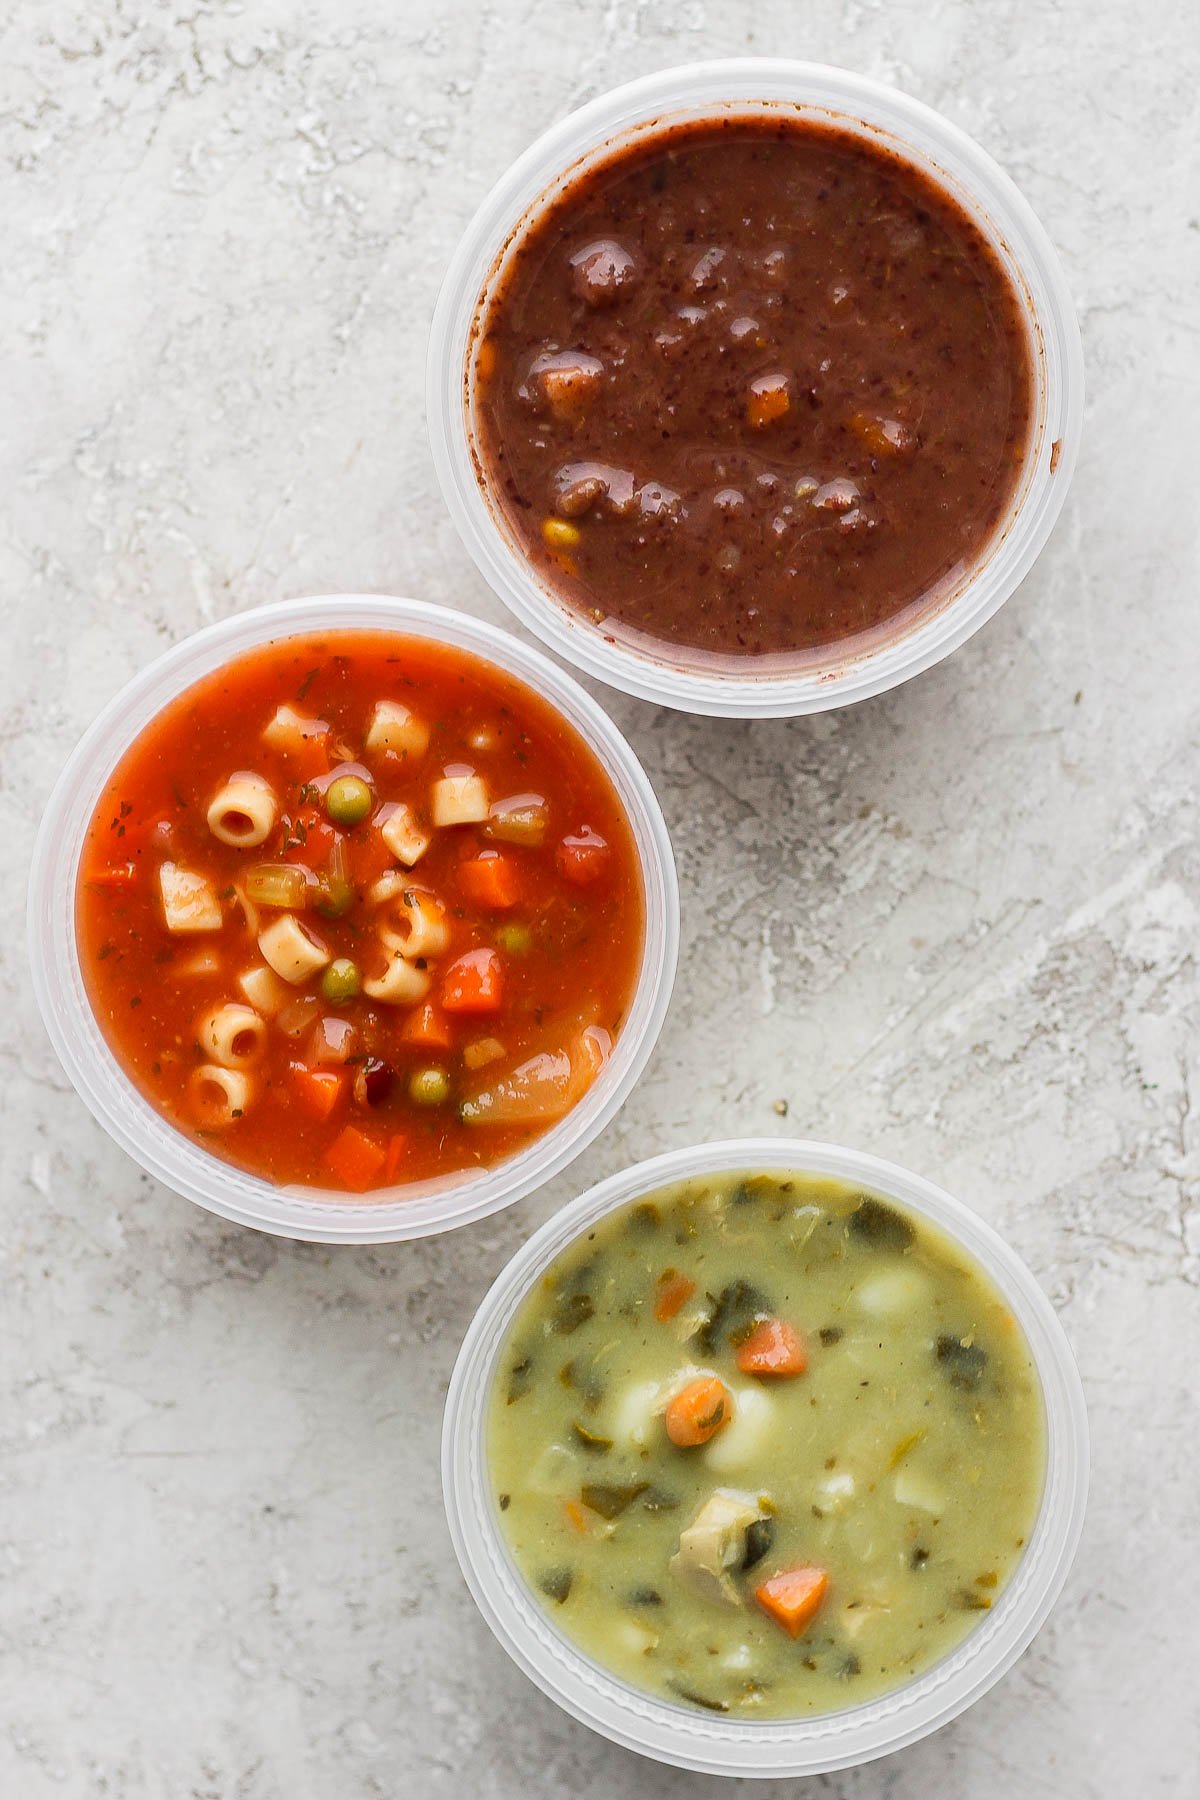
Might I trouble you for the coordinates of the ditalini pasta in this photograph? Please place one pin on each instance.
(359, 910)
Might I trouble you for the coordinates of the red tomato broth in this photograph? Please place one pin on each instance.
(564, 954)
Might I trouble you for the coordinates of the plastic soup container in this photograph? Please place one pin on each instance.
(749, 1747)
(181, 1162)
(754, 88)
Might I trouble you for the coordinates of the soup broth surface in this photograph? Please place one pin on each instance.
(845, 1524)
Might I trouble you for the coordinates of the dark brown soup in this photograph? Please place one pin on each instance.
(753, 388)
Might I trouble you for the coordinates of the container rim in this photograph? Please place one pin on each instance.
(313, 1214)
(923, 136)
(774, 1748)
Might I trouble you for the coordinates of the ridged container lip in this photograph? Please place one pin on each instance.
(739, 86)
(767, 1748)
(309, 1213)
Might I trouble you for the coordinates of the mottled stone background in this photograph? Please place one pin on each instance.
(956, 925)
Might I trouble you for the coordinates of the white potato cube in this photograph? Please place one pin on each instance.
(914, 1489)
(892, 1293)
(291, 730)
(835, 1490)
(189, 901)
(636, 1416)
(747, 1437)
(395, 729)
(459, 799)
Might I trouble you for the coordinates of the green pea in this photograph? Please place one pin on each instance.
(429, 1087)
(348, 799)
(516, 939)
(340, 980)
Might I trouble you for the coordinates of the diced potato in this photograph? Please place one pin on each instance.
(396, 729)
(636, 1416)
(556, 1471)
(570, 381)
(747, 1437)
(912, 1487)
(291, 730)
(459, 799)
(634, 1637)
(482, 1052)
(189, 901)
(403, 836)
(891, 1293)
(205, 962)
(264, 990)
(294, 953)
(835, 1490)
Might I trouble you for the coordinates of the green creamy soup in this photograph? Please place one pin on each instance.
(766, 1444)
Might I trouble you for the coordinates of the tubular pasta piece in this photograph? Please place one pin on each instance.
(403, 836)
(219, 1096)
(459, 798)
(411, 920)
(394, 728)
(189, 901)
(233, 1036)
(244, 811)
(401, 984)
(264, 991)
(292, 951)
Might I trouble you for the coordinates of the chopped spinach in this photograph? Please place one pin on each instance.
(963, 1363)
(830, 1334)
(591, 1440)
(759, 1537)
(689, 1693)
(556, 1584)
(881, 1225)
(645, 1596)
(572, 1311)
(520, 1379)
(657, 1500)
(610, 1499)
(734, 1311)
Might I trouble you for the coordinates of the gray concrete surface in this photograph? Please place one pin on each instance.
(957, 925)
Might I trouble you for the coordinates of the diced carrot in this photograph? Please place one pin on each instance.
(112, 875)
(793, 1597)
(773, 1348)
(490, 880)
(576, 1517)
(474, 984)
(318, 1090)
(698, 1411)
(308, 757)
(356, 1159)
(769, 399)
(672, 1290)
(428, 1028)
(583, 857)
(370, 857)
(308, 837)
(397, 1145)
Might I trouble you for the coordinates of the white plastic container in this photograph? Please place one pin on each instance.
(747, 1747)
(140, 1129)
(753, 86)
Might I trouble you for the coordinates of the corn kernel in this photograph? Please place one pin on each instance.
(559, 535)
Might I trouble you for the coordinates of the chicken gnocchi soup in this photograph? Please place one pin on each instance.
(765, 1444)
(359, 910)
